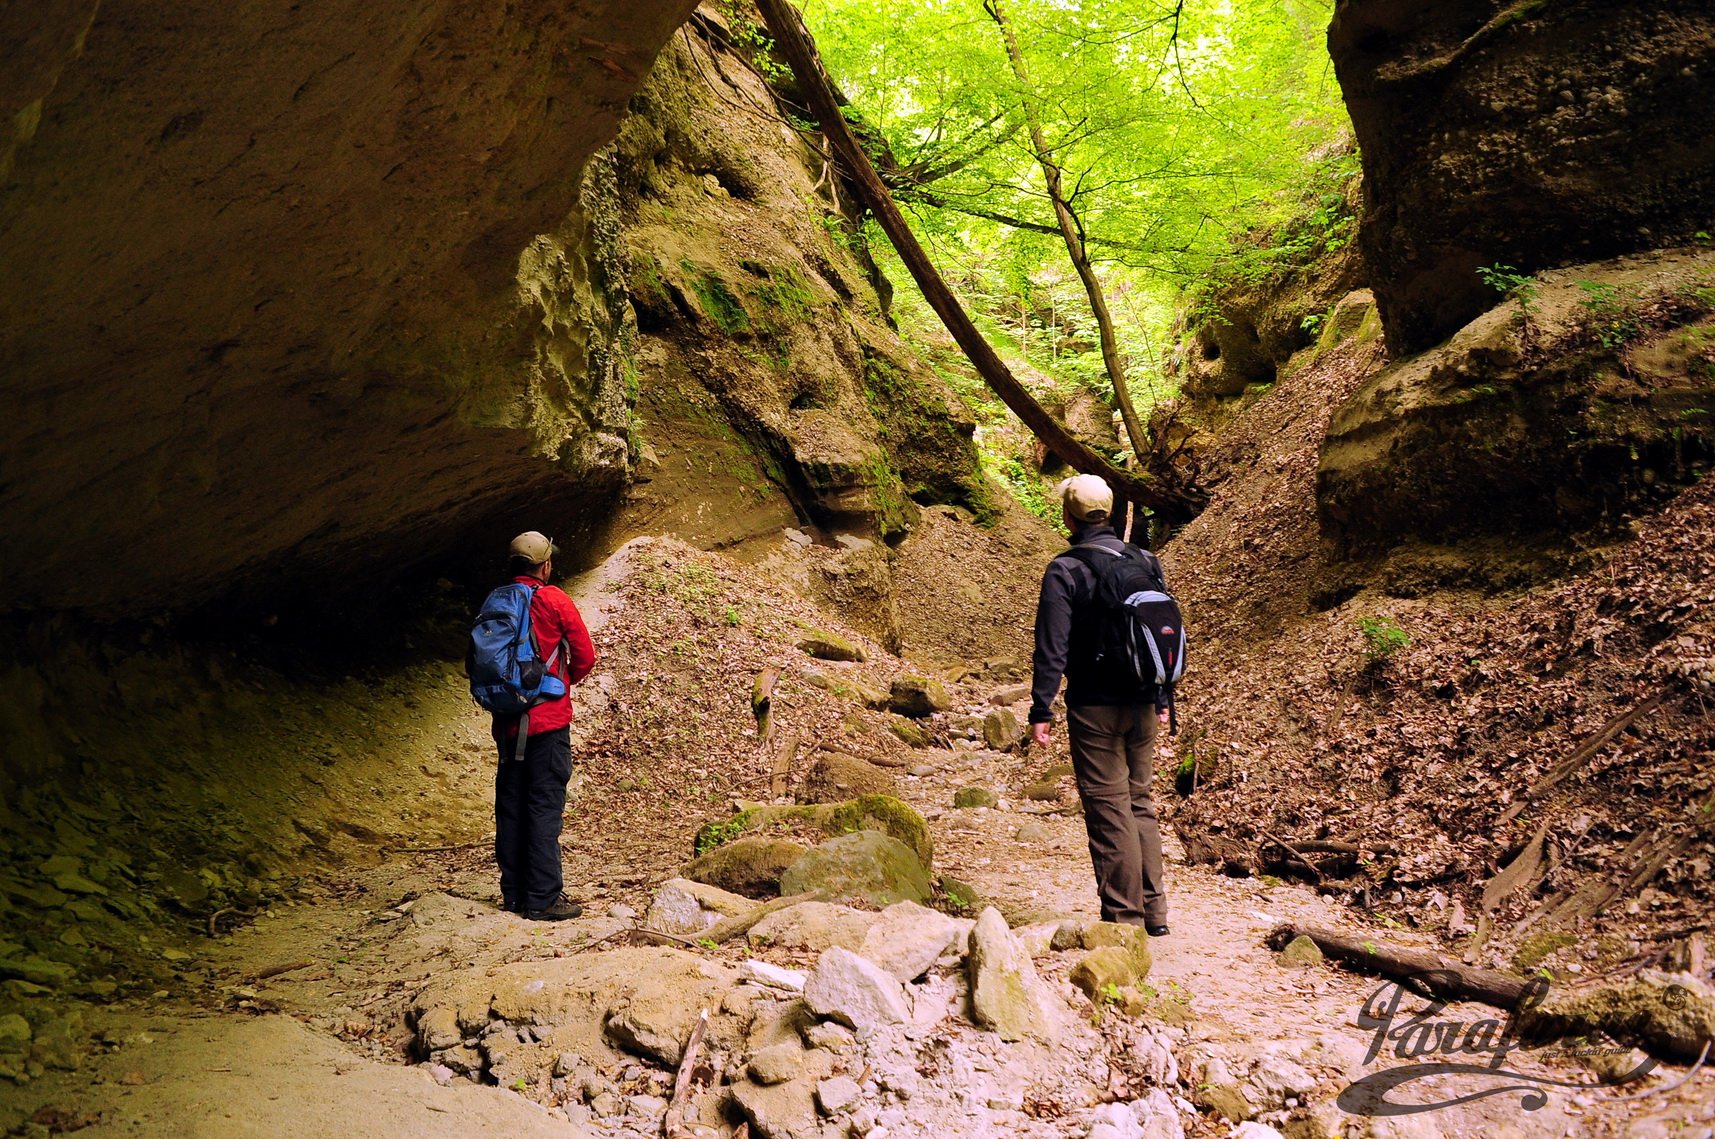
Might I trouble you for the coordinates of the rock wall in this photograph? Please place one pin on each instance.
(1521, 133)
(1592, 401)
(770, 383)
(291, 288)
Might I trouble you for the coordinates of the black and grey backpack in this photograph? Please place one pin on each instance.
(1143, 632)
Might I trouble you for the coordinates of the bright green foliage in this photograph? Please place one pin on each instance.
(1183, 132)
(1178, 127)
(1614, 322)
(1382, 638)
(1508, 281)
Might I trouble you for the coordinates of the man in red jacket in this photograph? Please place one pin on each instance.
(530, 790)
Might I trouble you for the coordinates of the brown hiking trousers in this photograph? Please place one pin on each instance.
(1113, 753)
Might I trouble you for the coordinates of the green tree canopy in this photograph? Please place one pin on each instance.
(1177, 127)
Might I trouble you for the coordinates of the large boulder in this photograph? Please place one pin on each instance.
(1551, 418)
(1005, 994)
(881, 813)
(835, 778)
(856, 992)
(908, 938)
(869, 865)
(750, 866)
(815, 926)
(918, 696)
(1526, 134)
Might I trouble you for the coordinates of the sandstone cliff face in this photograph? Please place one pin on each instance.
(297, 288)
(1521, 133)
(1593, 402)
(771, 389)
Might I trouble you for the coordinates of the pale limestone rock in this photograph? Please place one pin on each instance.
(816, 926)
(777, 1063)
(1004, 992)
(850, 989)
(907, 939)
(772, 976)
(835, 1095)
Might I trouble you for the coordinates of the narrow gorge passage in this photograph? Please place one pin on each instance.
(1391, 324)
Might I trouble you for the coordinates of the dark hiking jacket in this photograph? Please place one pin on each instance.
(1067, 627)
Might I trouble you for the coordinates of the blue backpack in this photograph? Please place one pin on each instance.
(507, 674)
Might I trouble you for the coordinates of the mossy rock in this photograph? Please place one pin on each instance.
(1057, 771)
(959, 897)
(834, 778)
(918, 696)
(881, 813)
(909, 731)
(824, 645)
(1670, 1015)
(750, 866)
(866, 864)
(1102, 973)
(1300, 953)
(1129, 939)
(868, 695)
(1047, 791)
(971, 797)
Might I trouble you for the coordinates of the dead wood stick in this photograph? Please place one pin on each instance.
(1581, 755)
(781, 777)
(1441, 976)
(792, 42)
(1338, 846)
(728, 928)
(1676, 934)
(438, 849)
(673, 1126)
(1315, 874)
(762, 703)
(276, 970)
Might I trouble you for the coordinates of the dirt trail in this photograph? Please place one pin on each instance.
(300, 1028)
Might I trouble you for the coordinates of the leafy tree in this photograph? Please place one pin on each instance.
(1172, 127)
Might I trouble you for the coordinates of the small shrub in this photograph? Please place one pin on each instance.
(1382, 638)
(1509, 282)
(1609, 317)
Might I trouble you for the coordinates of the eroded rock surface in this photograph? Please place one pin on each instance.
(1527, 134)
(290, 285)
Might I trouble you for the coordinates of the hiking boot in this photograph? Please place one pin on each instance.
(1159, 929)
(561, 910)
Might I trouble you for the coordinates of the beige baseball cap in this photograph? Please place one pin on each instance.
(1088, 498)
(533, 545)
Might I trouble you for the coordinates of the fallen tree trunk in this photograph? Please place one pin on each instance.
(794, 45)
(1434, 974)
(1672, 1017)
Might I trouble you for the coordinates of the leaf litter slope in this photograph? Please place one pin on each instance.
(1432, 752)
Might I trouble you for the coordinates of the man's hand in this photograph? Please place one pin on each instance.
(1161, 714)
(1039, 734)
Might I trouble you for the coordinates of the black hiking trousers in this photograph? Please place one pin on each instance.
(529, 804)
(1113, 753)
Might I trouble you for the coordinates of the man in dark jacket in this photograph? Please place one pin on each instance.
(530, 790)
(1111, 717)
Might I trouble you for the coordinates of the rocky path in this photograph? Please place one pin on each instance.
(316, 1019)
(299, 1026)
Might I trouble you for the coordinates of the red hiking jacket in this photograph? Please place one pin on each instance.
(557, 624)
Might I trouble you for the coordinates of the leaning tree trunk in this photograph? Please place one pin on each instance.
(794, 45)
(1072, 233)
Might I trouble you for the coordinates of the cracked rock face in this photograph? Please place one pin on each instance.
(287, 283)
(1525, 134)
